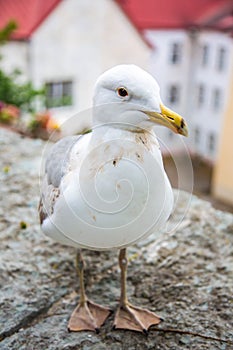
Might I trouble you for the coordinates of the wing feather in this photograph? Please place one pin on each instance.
(56, 166)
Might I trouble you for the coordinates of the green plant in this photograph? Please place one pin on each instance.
(20, 95)
(12, 92)
(6, 31)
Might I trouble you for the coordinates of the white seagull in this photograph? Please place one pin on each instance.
(108, 189)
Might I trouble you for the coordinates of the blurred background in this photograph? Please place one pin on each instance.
(51, 53)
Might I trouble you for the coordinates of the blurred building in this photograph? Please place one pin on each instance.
(192, 60)
(187, 46)
(67, 44)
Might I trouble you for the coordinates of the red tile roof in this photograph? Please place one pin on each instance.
(219, 16)
(144, 14)
(27, 13)
(168, 14)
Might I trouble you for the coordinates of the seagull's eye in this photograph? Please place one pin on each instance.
(122, 92)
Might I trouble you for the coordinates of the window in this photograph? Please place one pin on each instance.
(59, 94)
(176, 49)
(216, 98)
(197, 137)
(173, 94)
(201, 95)
(221, 59)
(205, 55)
(211, 143)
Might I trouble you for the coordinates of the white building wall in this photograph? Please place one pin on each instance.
(188, 74)
(168, 74)
(208, 118)
(80, 40)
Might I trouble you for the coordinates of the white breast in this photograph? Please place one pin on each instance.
(116, 194)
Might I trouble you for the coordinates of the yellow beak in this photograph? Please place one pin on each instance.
(170, 119)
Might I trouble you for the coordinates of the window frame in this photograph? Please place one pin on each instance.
(174, 96)
(221, 59)
(59, 93)
(175, 53)
(197, 136)
(205, 55)
(201, 95)
(211, 142)
(216, 98)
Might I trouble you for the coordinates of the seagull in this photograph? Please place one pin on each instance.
(107, 189)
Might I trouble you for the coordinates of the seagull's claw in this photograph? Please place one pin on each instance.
(88, 317)
(135, 318)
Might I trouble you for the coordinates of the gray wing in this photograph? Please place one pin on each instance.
(57, 162)
(56, 166)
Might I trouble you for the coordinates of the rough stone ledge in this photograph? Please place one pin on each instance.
(186, 276)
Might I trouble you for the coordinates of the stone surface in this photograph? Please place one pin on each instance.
(186, 276)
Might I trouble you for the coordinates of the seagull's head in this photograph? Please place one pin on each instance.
(128, 97)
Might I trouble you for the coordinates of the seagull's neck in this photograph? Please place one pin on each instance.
(106, 133)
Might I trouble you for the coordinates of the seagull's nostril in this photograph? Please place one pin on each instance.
(182, 123)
